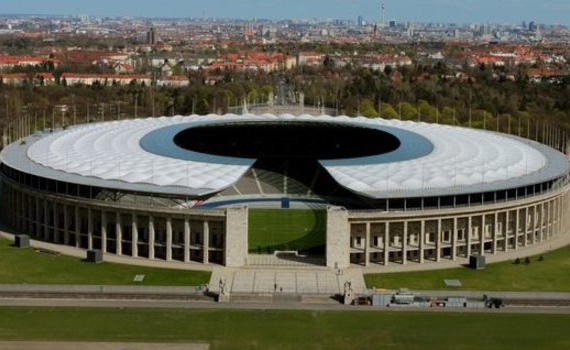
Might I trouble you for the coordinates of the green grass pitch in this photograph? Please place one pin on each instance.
(286, 229)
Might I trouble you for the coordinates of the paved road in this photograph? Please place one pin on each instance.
(165, 304)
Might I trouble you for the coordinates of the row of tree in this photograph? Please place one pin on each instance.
(480, 97)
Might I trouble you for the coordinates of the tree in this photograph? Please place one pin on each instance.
(387, 111)
(367, 109)
(409, 112)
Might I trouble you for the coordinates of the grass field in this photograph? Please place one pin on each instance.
(291, 229)
(266, 329)
(29, 266)
(551, 274)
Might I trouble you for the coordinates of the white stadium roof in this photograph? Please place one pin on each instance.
(111, 154)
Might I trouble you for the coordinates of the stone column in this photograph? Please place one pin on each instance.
(134, 236)
(542, 221)
(438, 241)
(495, 236)
(367, 246)
(506, 229)
(118, 235)
(405, 243)
(560, 216)
(549, 219)
(534, 224)
(421, 248)
(65, 224)
(482, 236)
(168, 239)
(103, 231)
(468, 237)
(205, 251)
(526, 225)
(517, 229)
(151, 237)
(386, 243)
(77, 223)
(89, 228)
(187, 241)
(454, 239)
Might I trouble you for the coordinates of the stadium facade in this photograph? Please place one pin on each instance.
(179, 188)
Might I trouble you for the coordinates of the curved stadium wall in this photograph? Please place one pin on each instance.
(429, 193)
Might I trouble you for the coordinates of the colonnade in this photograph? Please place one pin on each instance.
(367, 238)
(162, 233)
(417, 236)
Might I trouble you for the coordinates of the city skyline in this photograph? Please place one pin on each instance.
(443, 11)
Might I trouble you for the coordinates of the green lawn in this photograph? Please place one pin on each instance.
(290, 229)
(551, 274)
(29, 266)
(266, 329)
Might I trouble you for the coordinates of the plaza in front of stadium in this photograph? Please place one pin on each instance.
(267, 190)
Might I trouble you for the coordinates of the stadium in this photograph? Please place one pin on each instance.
(240, 190)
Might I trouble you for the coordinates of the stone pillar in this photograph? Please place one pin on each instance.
(422, 241)
(482, 236)
(65, 224)
(386, 243)
(55, 223)
(187, 242)
(454, 240)
(535, 223)
(526, 225)
(134, 236)
(118, 235)
(46, 220)
(236, 245)
(506, 229)
(169, 239)
(554, 220)
(560, 215)
(468, 237)
(517, 229)
(542, 221)
(205, 248)
(367, 246)
(548, 219)
(438, 241)
(151, 237)
(103, 231)
(77, 223)
(405, 243)
(495, 236)
(89, 228)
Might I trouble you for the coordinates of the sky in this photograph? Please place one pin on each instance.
(448, 11)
